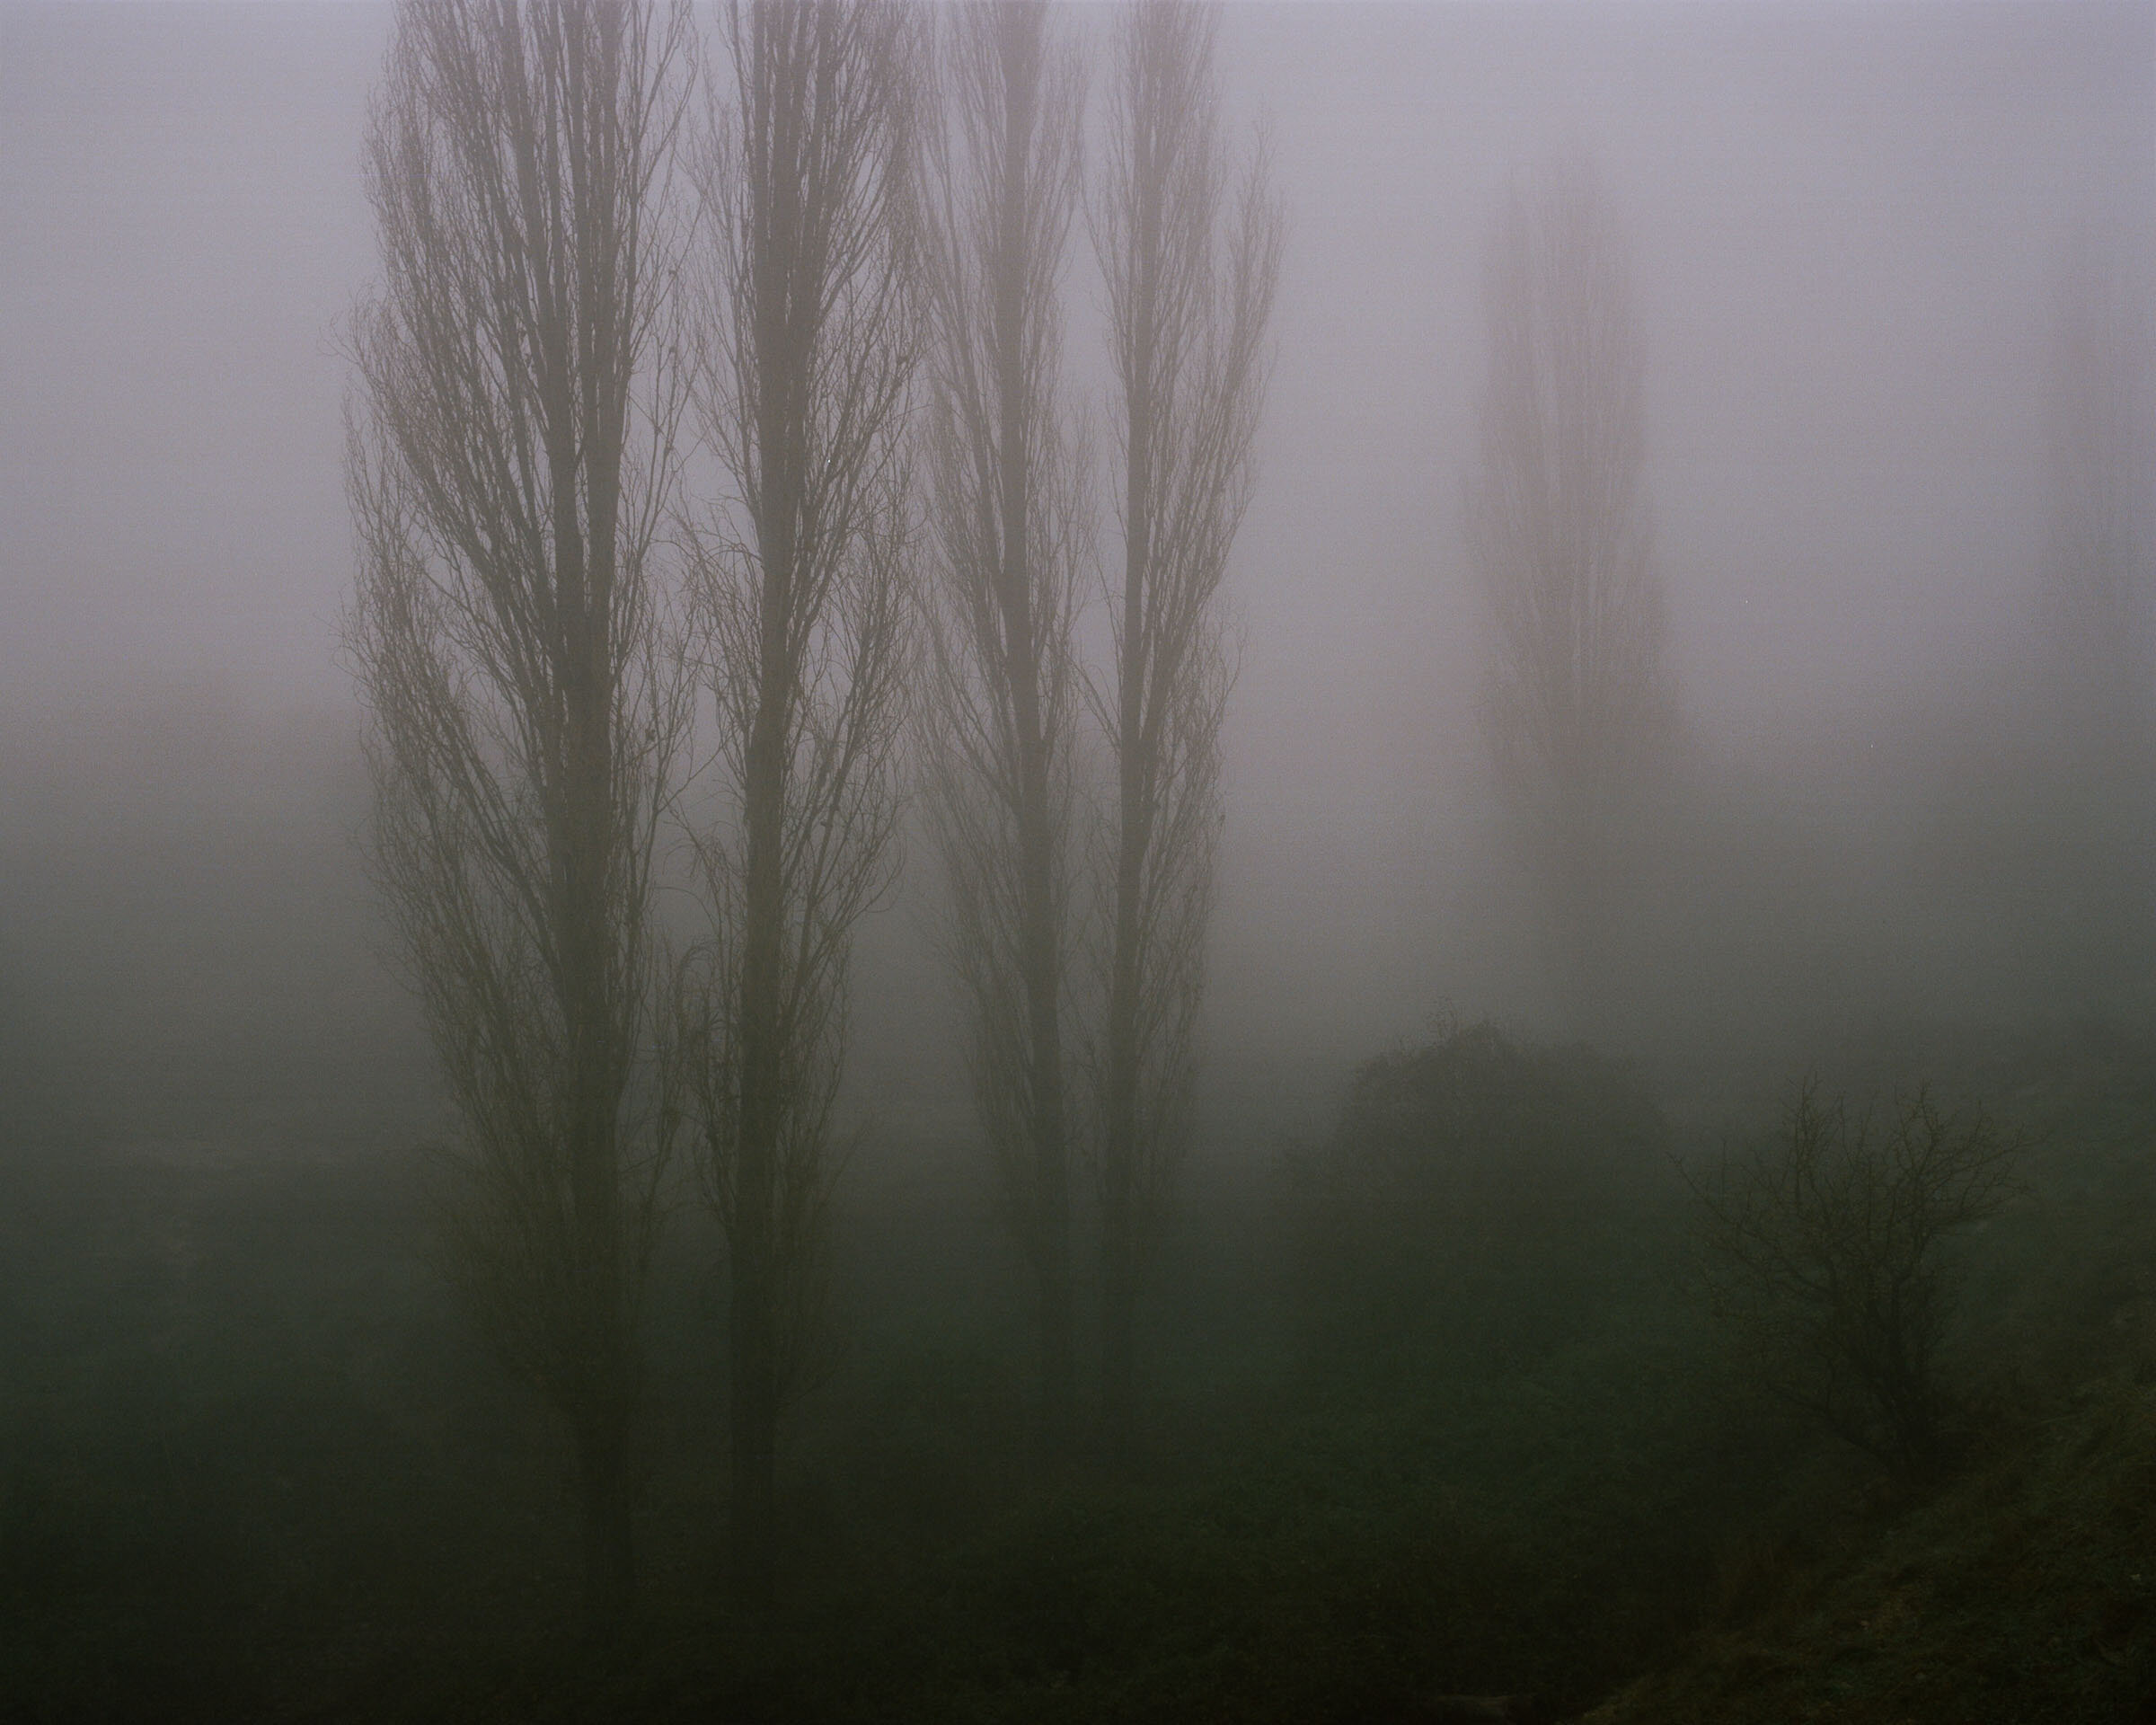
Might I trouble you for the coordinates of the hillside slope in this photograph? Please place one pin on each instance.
(2023, 1593)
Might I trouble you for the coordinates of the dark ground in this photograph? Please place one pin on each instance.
(254, 1465)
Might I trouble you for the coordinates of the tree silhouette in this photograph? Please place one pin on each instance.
(1829, 1244)
(1191, 265)
(510, 454)
(1578, 700)
(1007, 543)
(807, 335)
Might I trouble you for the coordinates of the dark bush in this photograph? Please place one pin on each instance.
(1481, 1197)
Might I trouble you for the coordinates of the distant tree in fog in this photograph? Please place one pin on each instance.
(2083, 823)
(510, 452)
(1192, 261)
(808, 328)
(1578, 699)
(2100, 556)
(1002, 595)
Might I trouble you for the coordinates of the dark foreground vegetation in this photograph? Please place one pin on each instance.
(1434, 1407)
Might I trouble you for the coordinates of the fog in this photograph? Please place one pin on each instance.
(1848, 230)
(1881, 842)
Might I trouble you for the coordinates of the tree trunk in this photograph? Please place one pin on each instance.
(755, 1409)
(1120, 1147)
(1136, 778)
(1044, 988)
(585, 794)
(609, 1529)
(1041, 949)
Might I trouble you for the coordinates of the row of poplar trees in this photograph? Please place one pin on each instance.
(718, 479)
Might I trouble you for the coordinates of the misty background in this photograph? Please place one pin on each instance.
(1850, 230)
(251, 1453)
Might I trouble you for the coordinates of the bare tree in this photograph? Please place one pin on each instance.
(1829, 1244)
(1004, 696)
(1578, 697)
(809, 332)
(1191, 263)
(510, 454)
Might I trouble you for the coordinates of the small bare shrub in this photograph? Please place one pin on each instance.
(1829, 1244)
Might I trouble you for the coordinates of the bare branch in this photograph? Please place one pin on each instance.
(1827, 1245)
